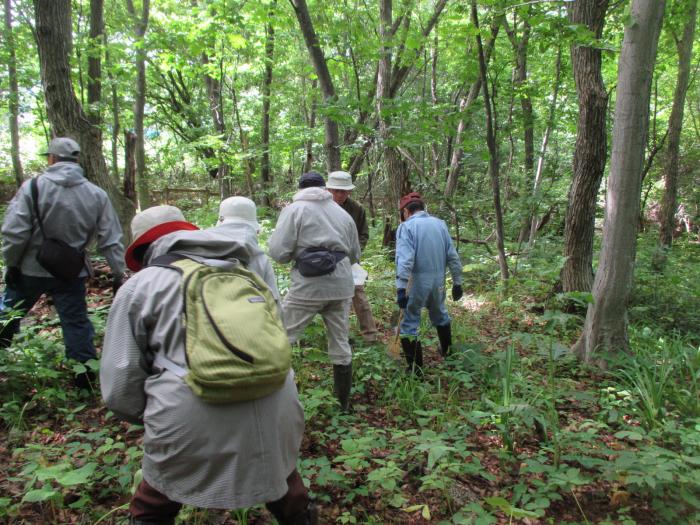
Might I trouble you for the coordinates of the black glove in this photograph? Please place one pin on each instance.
(457, 292)
(401, 298)
(117, 282)
(13, 276)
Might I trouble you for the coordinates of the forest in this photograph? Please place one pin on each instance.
(557, 139)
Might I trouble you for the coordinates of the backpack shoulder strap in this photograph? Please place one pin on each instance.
(34, 187)
(168, 260)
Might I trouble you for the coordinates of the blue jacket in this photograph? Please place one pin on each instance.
(424, 249)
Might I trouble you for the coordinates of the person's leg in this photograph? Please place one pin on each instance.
(14, 305)
(409, 329)
(294, 508)
(297, 314)
(78, 333)
(336, 316)
(360, 303)
(149, 507)
(440, 318)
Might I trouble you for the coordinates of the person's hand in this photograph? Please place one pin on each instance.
(13, 276)
(117, 282)
(457, 292)
(401, 298)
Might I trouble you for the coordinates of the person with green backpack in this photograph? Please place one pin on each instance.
(195, 350)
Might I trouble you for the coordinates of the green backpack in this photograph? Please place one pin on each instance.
(236, 345)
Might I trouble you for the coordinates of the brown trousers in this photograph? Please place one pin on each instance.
(363, 311)
(150, 505)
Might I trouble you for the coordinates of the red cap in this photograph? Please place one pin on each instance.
(406, 199)
(150, 236)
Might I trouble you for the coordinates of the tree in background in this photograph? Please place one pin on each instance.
(605, 328)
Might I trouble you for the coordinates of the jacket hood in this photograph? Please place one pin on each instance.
(314, 193)
(65, 174)
(215, 243)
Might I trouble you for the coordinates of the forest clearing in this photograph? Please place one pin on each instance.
(556, 139)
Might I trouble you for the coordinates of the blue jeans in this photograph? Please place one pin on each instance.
(69, 300)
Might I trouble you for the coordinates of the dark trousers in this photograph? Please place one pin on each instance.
(150, 505)
(69, 300)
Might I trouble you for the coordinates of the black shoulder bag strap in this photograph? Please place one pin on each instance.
(34, 186)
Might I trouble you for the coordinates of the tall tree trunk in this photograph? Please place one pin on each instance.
(332, 143)
(590, 152)
(94, 88)
(216, 108)
(464, 103)
(265, 172)
(493, 150)
(54, 41)
(116, 124)
(130, 166)
(13, 101)
(395, 167)
(248, 163)
(684, 46)
(543, 151)
(311, 121)
(140, 27)
(605, 328)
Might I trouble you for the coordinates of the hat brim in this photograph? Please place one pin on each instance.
(346, 188)
(150, 236)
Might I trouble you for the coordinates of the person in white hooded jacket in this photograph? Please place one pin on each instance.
(221, 456)
(314, 221)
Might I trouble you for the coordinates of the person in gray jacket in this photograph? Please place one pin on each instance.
(313, 220)
(75, 211)
(226, 456)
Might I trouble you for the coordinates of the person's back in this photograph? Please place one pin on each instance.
(72, 209)
(430, 240)
(230, 455)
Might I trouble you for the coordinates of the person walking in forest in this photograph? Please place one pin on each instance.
(424, 250)
(47, 227)
(340, 186)
(321, 238)
(223, 455)
(238, 217)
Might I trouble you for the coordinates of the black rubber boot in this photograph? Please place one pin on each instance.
(85, 381)
(342, 384)
(445, 336)
(306, 517)
(413, 351)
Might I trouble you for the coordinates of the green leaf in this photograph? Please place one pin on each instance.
(43, 494)
(77, 476)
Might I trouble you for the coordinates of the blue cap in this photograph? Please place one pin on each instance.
(311, 179)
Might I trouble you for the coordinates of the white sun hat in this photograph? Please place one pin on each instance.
(239, 210)
(340, 180)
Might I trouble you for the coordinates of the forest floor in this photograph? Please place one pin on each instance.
(510, 428)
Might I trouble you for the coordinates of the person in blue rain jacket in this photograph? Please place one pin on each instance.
(424, 251)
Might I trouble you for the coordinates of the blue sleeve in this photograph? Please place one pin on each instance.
(453, 262)
(405, 255)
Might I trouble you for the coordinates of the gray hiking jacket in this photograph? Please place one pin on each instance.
(315, 220)
(211, 456)
(72, 209)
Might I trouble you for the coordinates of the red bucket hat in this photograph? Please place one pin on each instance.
(149, 226)
(411, 197)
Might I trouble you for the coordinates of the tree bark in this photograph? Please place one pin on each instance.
(265, 172)
(94, 84)
(140, 27)
(493, 150)
(130, 166)
(332, 143)
(54, 41)
(605, 328)
(116, 124)
(684, 45)
(13, 102)
(311, 121)
(590, 152)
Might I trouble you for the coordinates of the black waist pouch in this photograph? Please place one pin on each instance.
(315, 262)
(60, 259)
